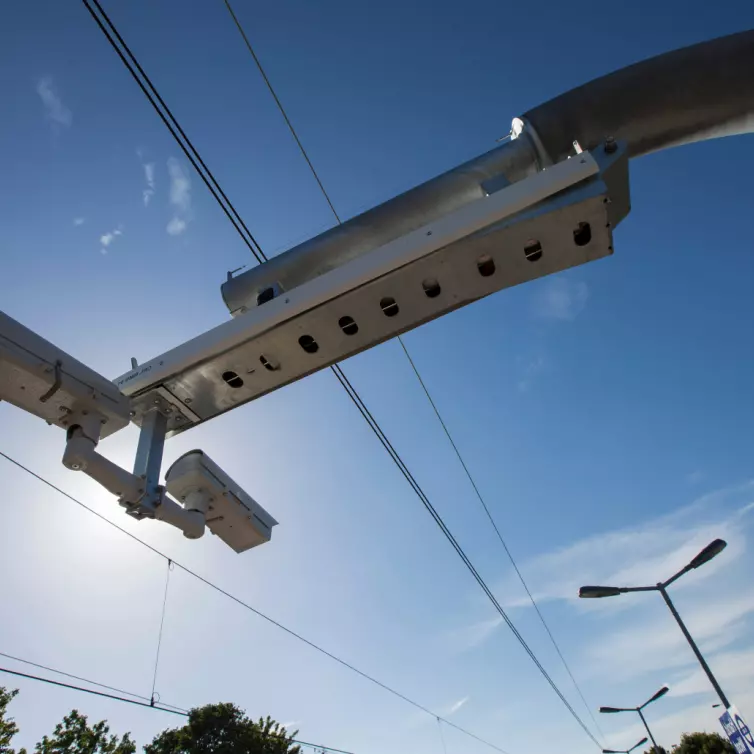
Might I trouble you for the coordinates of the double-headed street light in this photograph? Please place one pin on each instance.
(626, 751)
(664, 690)
(709, 552)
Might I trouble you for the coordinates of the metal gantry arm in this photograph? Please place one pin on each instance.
(546, 201)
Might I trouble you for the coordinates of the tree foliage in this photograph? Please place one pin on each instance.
(8, 727)
(704, 743)
(75, 736)
(223, 729)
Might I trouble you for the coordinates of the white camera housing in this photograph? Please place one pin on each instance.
(199, 483)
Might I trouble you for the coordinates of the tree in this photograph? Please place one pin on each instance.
(8, 727)
(704, 743)
(75, 736)
(224, 729)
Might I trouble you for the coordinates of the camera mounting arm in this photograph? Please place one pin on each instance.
(45, 381)
(139, 492)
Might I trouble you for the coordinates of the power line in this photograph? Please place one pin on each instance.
(188, 148)
(118, 691)
(324, 192)
(116, 698)
(70, 686)
(245, 605)
(146, 86)
(497, 531)
(456, 546)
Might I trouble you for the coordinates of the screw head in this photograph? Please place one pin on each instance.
(132, 414)
(188, 400)
(610, 145)
(75, 466)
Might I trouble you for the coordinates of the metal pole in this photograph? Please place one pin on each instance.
(649, 732)
(702, 661)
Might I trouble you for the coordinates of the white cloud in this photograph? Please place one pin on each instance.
(106, 239)
(176, 226)
(528, 370)
(180, 197)
(453, 708)
(645, 553)
(77, 221)
(55, 110)
(473, 635)
(560, 298)
(148, 192)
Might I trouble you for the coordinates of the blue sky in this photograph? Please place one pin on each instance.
(605, 412)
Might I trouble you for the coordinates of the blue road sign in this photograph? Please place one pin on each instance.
(738, 731)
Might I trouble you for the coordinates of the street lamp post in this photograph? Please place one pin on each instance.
(710, 551)
(625, 751)
(664, 690)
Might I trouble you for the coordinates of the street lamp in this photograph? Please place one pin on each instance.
(664, 690)
(710, 551)
(626, 751)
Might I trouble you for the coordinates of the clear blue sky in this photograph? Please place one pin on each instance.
(605, 413)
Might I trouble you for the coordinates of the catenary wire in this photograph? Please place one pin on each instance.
(246, 606)
(116, 698)
(415, 369)
(114, 689)
(336, 369)
(494, 525)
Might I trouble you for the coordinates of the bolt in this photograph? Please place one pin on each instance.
(132, 414)
(75, 466)
(188, 400)
(179, 419)
(156, 401)
(103, 421)
(64, 410)
(610, 145)
(168, 410)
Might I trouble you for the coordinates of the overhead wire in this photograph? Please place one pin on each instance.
(243, 604)
(145, 84)
(120, 698)
(415, 369)
(114, 689)
(494, 525)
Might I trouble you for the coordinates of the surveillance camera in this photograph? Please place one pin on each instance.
(233, 515)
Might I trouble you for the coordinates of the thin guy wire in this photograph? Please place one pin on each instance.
(442, 738)
(282, 109)
(174, 710)
(314, 173)
(497, 531)
(247, 606)
(162, 624)
(336, 369)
